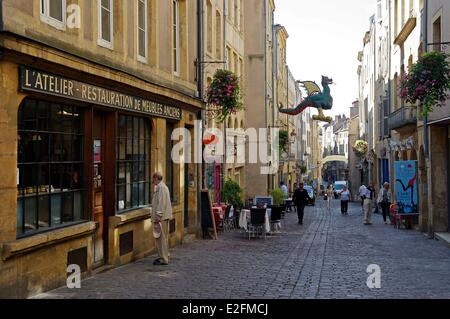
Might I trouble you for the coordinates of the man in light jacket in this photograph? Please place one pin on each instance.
(161, 215)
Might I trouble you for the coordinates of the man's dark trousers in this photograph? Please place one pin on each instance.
(300, 212)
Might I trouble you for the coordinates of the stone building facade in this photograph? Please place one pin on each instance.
(86, 116)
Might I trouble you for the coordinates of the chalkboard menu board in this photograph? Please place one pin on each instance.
(207, 215)
(263, 200)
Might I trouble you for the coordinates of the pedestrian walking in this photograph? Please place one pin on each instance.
(284, 189)
(362, 193)
(368, 204)
(345, 198)
(161, 215)
(330, 194)
(384, 200)
(300, 199)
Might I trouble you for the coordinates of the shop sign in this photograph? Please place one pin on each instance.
(43, 82)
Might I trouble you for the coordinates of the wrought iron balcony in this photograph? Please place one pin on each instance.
(405, 116)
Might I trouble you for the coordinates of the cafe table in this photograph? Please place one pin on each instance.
(244, 219)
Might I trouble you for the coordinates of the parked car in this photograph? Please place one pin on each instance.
(311, 194)
(338, 187)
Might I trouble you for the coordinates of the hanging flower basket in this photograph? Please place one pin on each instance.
(224, 92)
(428, 82)
(361, 148)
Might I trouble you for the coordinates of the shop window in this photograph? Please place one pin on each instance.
(133, 163)
(53, 12)
(50, 175)
(105, 23)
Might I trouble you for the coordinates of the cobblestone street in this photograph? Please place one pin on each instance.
(327, 257)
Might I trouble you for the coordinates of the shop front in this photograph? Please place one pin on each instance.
(82, 157)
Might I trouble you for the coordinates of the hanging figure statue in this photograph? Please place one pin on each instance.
(316, 99)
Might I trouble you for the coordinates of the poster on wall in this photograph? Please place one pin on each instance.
(406, 186)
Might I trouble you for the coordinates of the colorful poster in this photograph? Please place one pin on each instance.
(406, 186)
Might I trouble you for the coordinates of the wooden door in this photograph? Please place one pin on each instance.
(98, 146)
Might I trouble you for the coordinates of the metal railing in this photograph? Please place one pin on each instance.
(403, 117)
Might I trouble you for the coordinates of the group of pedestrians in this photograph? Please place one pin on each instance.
(384, 201)
(368, 196)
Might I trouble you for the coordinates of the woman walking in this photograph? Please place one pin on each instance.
(384, 200)
(345, 198)
(330, 194)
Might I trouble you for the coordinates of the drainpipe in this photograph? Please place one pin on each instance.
(425, 120)
(266, 120)
(200, 167)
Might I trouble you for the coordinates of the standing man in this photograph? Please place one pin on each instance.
(161, 215)
(300, 199)
(368, 204)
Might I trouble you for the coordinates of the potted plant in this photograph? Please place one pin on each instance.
(278, 196)
(231, 193)
(224, 92)
(428, 81)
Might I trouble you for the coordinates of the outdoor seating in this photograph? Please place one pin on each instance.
(275, 219)
(257, 223)
(228, 219)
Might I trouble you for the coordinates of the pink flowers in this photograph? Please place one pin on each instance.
(428, 81)
(224, 91)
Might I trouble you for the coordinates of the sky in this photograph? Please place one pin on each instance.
(325, 37)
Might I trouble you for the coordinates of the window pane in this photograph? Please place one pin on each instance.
(30, 214)
(106, 25)
(56, 9)
(135, 194)
(44, 212)
(122, 126)
(121, 198)
(135, 172)
(121, 178)
(78, 207)
(29, 115)
(141, 194)
(56, 209)
(141, 13)
(142, 44)
(19, 215)
(67, 207)
(106, 4)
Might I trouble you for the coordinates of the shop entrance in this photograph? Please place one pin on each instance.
(98, 185)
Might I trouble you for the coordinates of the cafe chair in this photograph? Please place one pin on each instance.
(228, 220)
(275, 220)
(257, 223)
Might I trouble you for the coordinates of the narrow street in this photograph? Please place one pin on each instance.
(327, 257)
